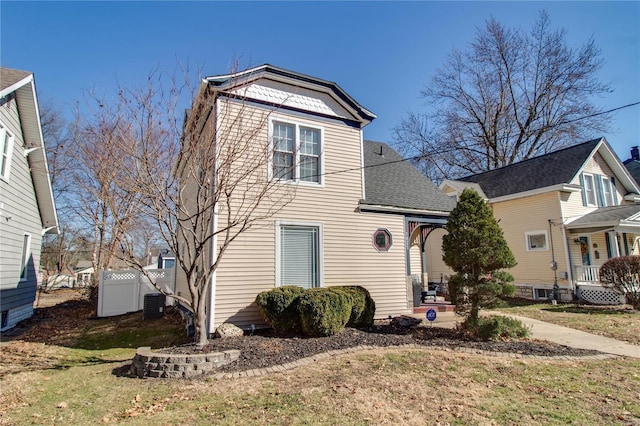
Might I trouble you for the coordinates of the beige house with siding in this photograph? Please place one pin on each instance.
(563, 215)
(356, 208)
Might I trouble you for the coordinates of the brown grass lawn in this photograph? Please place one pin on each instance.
(619, 322)
(73, 386)
(74, 378)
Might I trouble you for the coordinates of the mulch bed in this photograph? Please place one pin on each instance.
(62, 323)
(267, 348)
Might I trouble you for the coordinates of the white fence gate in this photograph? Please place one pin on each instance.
(120, 292)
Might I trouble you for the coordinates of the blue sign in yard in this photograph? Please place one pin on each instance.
(431, 315)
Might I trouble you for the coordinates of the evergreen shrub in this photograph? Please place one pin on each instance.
(279, 307)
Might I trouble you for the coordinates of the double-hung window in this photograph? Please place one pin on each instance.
(296, 152)
(6, 149)
(298, 255)
(598, 190)
(607, 192)
(589, 190)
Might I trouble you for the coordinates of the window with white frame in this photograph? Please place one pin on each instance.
(297, 152)
(607, 192)
(26, 253)
(589, 190)
(6, 149)
(536, 240)
(298, 255)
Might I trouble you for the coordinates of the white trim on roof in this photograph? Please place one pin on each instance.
(563, 187)
(400, 210)
(15, 86)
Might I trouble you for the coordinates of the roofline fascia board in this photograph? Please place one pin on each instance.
(563, 187)
(604, 223)
(15, 86)
(400, 210)
(301, 80)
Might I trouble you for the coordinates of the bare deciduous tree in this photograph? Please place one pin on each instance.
(511, 96)
(203, 189)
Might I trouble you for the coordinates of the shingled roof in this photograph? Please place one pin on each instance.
(555, 168)
(612, 215)
(392, 182)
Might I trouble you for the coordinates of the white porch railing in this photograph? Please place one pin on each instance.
(587, 274)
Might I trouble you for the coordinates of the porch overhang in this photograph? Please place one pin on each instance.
(420, 213)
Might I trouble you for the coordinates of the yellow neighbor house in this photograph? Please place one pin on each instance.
(355, 208)
(563, 215)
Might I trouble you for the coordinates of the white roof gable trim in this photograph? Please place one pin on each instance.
(273, 79)
(620, 172)
(289, 99)
(26, 98)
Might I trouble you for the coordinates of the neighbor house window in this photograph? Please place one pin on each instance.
(542, 293)
(607, 192)
(6, 144)
(298, 255)
(296, 152)
(536, 240)
(589, 189)
(24, 261)
(382, 239)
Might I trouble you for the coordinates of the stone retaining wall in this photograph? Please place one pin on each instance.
(162, 365)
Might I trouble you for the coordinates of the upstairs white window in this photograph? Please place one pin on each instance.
(296, 152)
(536, 240)
(607, 192)
(589, 188)
(6, 146)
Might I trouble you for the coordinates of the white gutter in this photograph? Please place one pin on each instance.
(400, 210)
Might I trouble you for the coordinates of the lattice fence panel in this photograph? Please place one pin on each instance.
(600, 296)
(120, 275)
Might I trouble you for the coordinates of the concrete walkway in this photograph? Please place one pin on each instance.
(552, 333)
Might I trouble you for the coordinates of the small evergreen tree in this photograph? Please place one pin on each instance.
(476, 250)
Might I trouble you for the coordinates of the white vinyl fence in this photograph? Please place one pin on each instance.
(120, 292)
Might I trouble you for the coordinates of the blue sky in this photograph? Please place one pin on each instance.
(381, 53)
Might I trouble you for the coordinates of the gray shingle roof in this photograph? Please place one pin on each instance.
(9, 77)
(389, 181)
(607, 215)
(555, 168)
(633, 166)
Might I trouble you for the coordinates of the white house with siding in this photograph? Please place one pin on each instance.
(357, 209)
(27, 209)
(563, 215)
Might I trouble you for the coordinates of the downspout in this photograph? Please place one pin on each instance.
(566, 250)
(214, 240)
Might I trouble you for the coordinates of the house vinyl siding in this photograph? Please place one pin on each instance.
(348, 254)
(19, 215)
(573, 205)
(517, 218)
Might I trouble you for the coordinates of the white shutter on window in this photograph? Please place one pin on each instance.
(299, 256)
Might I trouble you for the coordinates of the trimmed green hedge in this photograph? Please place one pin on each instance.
(318, 311)
(279, 307)
(324, 311)
(363, 307)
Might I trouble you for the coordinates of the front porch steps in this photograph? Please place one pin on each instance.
(438, 306)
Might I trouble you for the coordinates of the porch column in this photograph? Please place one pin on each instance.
(613, 242)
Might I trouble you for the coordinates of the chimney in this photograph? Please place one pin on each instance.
(635, 153)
